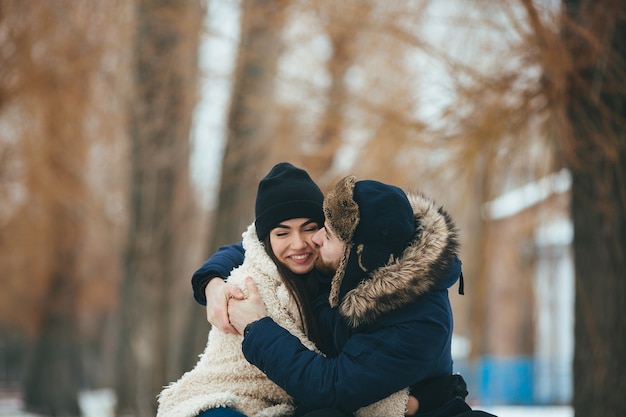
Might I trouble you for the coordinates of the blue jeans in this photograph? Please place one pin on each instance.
(221, 412)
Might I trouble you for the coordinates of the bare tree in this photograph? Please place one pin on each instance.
(358, 83)
(166, 72)
(46, 83)
(594, 145)
(249, 119)
(582, 90)
(584, 87)
(342, 23)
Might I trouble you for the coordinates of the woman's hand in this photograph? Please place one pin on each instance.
(243, 312)
(412, 405)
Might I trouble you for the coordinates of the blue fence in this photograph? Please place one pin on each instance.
(517, 380)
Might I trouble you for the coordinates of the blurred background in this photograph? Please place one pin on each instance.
(133, 134)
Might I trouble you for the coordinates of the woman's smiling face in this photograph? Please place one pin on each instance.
(292, 244)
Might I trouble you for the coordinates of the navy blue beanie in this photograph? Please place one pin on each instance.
(386, 224)
(287, 192)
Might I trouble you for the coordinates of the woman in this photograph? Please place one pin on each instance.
(280, 255)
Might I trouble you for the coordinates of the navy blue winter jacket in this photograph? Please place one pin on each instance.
(400, 349)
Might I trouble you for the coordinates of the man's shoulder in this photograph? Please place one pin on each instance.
(432, 306)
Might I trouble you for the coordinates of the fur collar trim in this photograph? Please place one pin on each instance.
(418, 270)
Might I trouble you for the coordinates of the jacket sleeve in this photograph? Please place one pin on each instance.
(326, 317)
(220, 264)
(371, 365)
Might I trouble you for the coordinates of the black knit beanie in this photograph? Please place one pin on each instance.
(287, 192)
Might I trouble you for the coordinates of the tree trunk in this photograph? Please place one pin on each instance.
(54, 95)
(595, 111)
(249, 127)
(343, 37)
(477, 283)
(250, 134)
(54, 373)
(166, 72)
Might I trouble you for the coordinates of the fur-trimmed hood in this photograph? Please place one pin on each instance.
(429, 262)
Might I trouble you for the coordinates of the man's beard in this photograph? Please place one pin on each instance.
(324, 267)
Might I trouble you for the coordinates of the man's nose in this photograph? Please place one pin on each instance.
(317, 237)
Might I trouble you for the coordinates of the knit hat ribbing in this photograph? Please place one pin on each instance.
(286, 192)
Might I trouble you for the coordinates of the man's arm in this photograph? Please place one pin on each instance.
(365, 371)
(370, 367)
(212, 291)
(219, 264)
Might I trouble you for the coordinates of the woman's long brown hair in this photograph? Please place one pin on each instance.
(303, 288)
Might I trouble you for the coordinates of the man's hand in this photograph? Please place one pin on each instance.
(244, 312)
(217, 293)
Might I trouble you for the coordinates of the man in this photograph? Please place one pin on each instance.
(388, 310)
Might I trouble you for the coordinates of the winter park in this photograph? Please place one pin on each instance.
(312, 208)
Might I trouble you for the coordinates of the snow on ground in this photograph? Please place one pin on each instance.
(96, 403)
(536, 411)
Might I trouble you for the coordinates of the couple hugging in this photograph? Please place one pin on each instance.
(329, 307)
